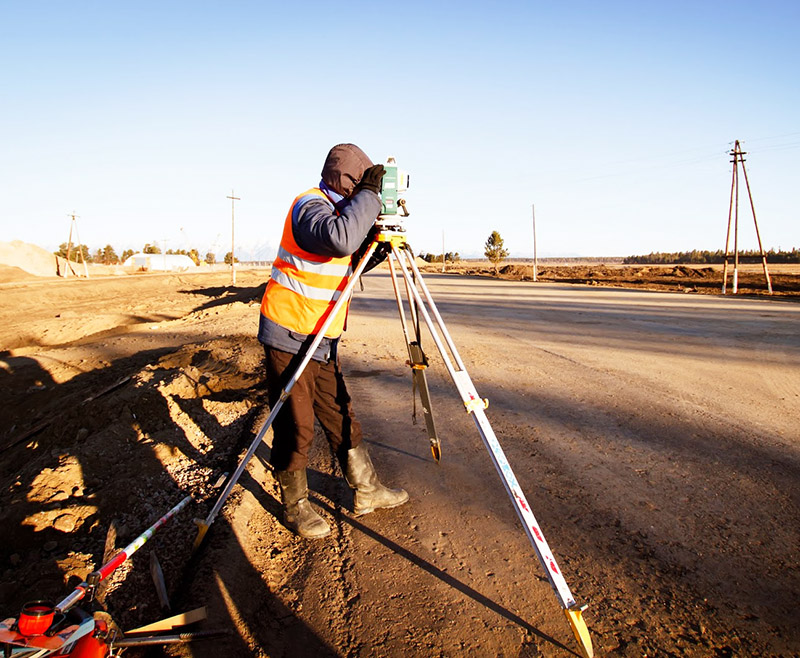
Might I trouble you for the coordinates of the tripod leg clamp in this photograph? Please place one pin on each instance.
(476, 403)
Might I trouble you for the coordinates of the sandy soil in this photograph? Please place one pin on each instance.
(654, 433)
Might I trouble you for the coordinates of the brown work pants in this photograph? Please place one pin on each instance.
(319, 392)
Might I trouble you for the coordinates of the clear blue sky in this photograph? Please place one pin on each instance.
(613, 118)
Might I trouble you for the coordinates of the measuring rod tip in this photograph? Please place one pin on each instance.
(202, 529)
(436, 451)
(579, 629)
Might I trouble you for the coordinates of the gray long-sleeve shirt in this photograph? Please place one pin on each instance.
(321, 228)
(318, 227)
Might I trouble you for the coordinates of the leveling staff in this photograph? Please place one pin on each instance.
(324, 228)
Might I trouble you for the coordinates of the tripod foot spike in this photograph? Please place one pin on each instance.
(579, 629)
(436, 450)
(202, 529)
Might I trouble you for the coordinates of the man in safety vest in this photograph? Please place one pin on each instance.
(324, 227)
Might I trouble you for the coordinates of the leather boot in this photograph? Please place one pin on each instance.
(297, 511)
(370, 493)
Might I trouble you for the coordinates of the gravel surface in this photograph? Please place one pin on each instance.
(654, 433)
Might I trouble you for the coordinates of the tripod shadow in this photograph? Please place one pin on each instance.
(445, 577)
(330, 487)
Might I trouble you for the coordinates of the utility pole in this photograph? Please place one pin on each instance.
(535, 264)
(233, 199)
(733, 214)
(74, 224)
(164, 252)
(443, 258)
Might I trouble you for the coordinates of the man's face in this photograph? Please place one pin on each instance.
(344, 167)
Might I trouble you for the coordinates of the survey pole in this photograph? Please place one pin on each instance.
(533, 213)
(233, 199)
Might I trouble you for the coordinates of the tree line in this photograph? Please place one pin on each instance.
(698, 256)
(496, 253)
(449, 257)
(108, 255)
(493, 249)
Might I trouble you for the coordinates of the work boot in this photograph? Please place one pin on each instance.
(370, 493)
(297, 511)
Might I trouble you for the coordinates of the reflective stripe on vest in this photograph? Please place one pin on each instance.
(308, 278)
(304, 286)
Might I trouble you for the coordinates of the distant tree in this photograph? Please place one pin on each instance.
(107, 255)
(74, 252)
(494, 250)
(126, 254)
(194, 255)
(211, 258)
(228, 258)
(449, 257)
(151, 249)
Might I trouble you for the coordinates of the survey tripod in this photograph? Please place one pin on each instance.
(391, 238)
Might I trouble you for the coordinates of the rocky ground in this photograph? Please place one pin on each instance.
(654, 433)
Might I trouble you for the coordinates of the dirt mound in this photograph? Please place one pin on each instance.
(27, 257)
(10, 273)
(516, 271)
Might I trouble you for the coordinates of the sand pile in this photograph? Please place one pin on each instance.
(29, 258)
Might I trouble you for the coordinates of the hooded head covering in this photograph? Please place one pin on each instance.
(344, 167)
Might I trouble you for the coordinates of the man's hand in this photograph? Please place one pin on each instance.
(371, 179)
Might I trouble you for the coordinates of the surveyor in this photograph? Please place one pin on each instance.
(325, 229)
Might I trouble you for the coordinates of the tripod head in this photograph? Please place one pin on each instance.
(393, 223)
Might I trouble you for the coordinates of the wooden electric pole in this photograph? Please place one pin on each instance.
(533, 212)
(733, 215)
(74, 224)
(233, 199)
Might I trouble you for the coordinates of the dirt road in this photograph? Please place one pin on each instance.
(654, 433)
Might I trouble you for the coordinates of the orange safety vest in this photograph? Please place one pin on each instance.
(303, 286)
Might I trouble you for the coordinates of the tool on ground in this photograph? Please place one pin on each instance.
(62, 629)
(87, 587)
(177, 638)
(157, 574)
(171, 623)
